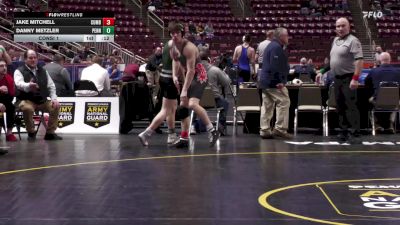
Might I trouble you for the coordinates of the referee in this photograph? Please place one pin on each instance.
(346, 64)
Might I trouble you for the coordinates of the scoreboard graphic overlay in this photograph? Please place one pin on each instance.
(64, 27)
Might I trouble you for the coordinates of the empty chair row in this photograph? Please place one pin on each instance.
(146, 31)
(388, 25)
(294, 32)
(129, 23)
(76, 7)
(388, 32)
(389, 19)
(272, 25)
(249, 20)
(221, 5)
(290, 13)
(217, 13)
(91, 2)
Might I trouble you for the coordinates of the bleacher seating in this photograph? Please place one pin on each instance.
(389, 28)
(310, 35)
(131, 32)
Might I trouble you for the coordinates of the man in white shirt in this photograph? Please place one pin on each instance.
(99, 76)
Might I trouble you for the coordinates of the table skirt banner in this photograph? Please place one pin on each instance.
(91, 115)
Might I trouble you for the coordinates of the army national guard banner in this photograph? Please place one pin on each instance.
(93, 115)
(67, 114)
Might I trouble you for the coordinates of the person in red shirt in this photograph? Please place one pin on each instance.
(7, 93)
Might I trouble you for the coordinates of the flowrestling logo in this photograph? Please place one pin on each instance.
(373, 14)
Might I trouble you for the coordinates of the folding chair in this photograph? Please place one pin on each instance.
(38, 119)
(309, 100)
(248, 100)
(4, 123)
(330, 107)
(85, 85)
(387, 100)
(305, 78)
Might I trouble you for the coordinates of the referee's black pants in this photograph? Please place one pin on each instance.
(346, 103)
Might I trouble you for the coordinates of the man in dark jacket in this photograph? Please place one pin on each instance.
(35, 88)
(272, 79)
(385, 73)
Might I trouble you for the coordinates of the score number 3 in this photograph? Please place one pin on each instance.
(108, 21)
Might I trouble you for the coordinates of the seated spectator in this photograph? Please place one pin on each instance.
(314, 4)
(304, 68)
(68, 52)
(388, 73)
(130, 72)
(219, 83)
(315, 12)
(78, 58)
(324, 10)
(304, 7)
(199, 41)
(60, 76)
(4, 55)
(378, 52)
(113, 71)
(209, 30)
(338, 4)
(35, 87)
(311, 63)
(200, 29)
(345, 5)
(117, 56)
(192, 28)
(7, 93)
(99, 76)
(180, 3)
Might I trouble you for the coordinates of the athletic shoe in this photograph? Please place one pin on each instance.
(281, 134)
(172, 138)
(143, 137)
(52, 137)
(193, 130)
(182, 143)
(11, 137)
(213, 137)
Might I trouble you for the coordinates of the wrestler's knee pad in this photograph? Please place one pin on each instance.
(182, 112)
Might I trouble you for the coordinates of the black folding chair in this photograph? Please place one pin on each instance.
(85, 85)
